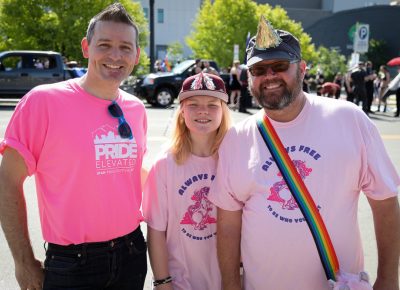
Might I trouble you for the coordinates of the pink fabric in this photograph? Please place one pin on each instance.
(339, 153)
(175, 200)
(87, 177)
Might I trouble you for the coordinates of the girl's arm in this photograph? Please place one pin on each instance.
(158, 254)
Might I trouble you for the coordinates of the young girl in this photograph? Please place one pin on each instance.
(181, 220)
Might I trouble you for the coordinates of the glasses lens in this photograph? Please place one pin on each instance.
(115, 110)
(280, 66)
(260, 70)
(124, 130)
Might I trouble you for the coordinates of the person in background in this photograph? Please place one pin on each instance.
(339, 81)
(158, 66)
(84, 141)
(347, 87)
(337, 151)
(181, 220)
(198, 67)
(306, 80)
(245, 97)
(369, 85)
(393, 88)
(209, 69)
(234, 85)
(319, 81)
(384, 80)
(358, 77)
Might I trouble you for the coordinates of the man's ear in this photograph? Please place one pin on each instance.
(85, 47)
(137, 55)
(303, 67)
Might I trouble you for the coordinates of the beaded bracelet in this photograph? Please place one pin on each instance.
(162, 281)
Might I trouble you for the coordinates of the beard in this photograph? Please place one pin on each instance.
(277, 99)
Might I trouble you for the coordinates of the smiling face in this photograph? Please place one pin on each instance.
(277, 90)
(202, 115)
(112, 53)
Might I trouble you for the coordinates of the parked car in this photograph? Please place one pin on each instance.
(21, 70)
(160, 89)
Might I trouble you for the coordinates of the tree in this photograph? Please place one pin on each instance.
(378, 52)
(330, 61)
(58, 25)
(222, 24)
(175, 51)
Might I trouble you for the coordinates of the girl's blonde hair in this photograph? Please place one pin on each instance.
(181, 144)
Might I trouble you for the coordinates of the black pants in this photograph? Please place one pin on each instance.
(360, 95)
(119, 264)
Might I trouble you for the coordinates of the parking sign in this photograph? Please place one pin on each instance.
(361, 38)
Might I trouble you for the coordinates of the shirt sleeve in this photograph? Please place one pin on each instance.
(380, 179)
(221, 193)
(27, 129)
(155, 199)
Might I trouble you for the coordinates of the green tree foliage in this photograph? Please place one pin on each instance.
(378, 53)
(279, 19)
(330, 61)
(58, 25)
(223, 23)
(175, 51)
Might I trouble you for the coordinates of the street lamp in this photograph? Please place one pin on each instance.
(152, 60)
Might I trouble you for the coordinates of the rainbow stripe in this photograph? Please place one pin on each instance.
(302, 196)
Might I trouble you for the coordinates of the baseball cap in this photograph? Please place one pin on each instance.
(272, 44)
(203, 84)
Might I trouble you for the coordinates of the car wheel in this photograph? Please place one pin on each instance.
(164, 97)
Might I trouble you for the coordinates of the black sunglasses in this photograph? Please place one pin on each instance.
(124, 129)
(276, 67)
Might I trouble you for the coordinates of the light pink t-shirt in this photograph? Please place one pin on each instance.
(87, 177)
(176, 201)
(338, 152)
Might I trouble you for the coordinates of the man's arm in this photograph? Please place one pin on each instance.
(13, 218)
(229, 227)
(386, 214)
(158, 254)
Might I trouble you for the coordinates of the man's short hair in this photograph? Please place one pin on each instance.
(116, 13)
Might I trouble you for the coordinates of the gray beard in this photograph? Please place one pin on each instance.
(277, 101)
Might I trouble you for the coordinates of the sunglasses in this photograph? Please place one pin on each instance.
(124, 129)
(276, 67)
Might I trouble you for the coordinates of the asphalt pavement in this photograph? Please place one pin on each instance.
(159, 130)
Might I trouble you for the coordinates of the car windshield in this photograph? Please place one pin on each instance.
(184, 65)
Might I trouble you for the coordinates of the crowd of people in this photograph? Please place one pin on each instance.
(362, 85)
(221, 211)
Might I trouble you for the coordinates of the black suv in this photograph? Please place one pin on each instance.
(160, 89)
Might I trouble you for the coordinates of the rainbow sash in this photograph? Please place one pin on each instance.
(302, 196)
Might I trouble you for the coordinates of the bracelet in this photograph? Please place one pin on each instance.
(162, 281)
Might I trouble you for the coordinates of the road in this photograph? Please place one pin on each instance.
(159, 130)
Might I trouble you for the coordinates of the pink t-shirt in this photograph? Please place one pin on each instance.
(176, 201)
(338, 152)
(87, 177)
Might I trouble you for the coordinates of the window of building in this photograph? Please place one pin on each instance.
(146, 12)
(160, 15)
(161, 51)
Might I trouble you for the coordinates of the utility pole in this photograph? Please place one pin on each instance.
(152, 60)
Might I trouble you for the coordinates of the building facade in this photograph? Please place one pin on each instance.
(173, 20)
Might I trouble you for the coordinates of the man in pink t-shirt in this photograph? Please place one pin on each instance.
(84, 141)
(259, 221)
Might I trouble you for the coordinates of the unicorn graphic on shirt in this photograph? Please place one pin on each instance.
(198, 214)
(280, 191)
